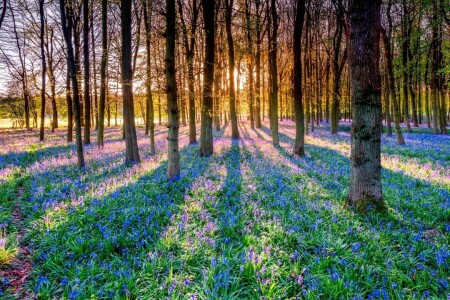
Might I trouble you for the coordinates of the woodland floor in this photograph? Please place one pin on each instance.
(250, 222)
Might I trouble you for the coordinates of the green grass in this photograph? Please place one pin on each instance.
(250, 222)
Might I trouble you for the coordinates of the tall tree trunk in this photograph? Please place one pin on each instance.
(94, 68)
(386, 36)
(387, 102)
(338, 66)
(405, 46)
(87, 96)
(67, 32)
(365, 191)
(274, 72)
(231, 62)
(150, 117)
(171, 88)
(103, 66)
(69, 107)
(250, 60)
(189, 47)
(206, 136)
(132, 151)
(44, 69)
(258, 65)
(299, 146)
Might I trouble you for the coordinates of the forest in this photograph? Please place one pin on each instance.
(224, 149)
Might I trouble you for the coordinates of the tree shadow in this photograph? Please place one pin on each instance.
(113, 227)
(400, 190)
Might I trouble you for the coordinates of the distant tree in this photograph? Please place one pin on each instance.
(391, 87)
(67, 29)
(189, 43)
(171, 89)
(206, 137)
(338, 63)
(365, 190)
(299, 146)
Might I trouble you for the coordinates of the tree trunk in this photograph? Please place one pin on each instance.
(69, 107)
(299, 146)
(206, 136)
(150, 118)
(44, 69)
(250, 61)
(231, 62)
(274, 72)
(101, 106)
(132, 151)
(87, 96)
(67, 32)
(365, 191)
(171, 88)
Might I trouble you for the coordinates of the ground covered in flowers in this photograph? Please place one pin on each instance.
(251, 222)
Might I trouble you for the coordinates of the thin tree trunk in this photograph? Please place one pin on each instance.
(171, 88)
(150, 118)
(44, 69)
(231, 62)
(87, 96)
(274, 73)
(103, 95)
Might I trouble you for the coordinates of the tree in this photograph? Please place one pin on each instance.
(299, 146)
(67, 30)
(150, 118)
(206, 136)
(132, 151)
(173, 154)
(87, 95)
(391, 83)
(365, 190)
(103, 66)
(189, 48)
(250, 60)
(273, 70)
(231, 62)
(44, 69)
(338, 63)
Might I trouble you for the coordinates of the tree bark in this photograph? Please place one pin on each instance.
(44, 69)
(365, 191)
(67, 32)
(132, 151)
(103, 66)
(206, 136)
(299, 146)
(150, 117)
(274, 72)
(171, 88)
(86, 96)
(231, 62)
